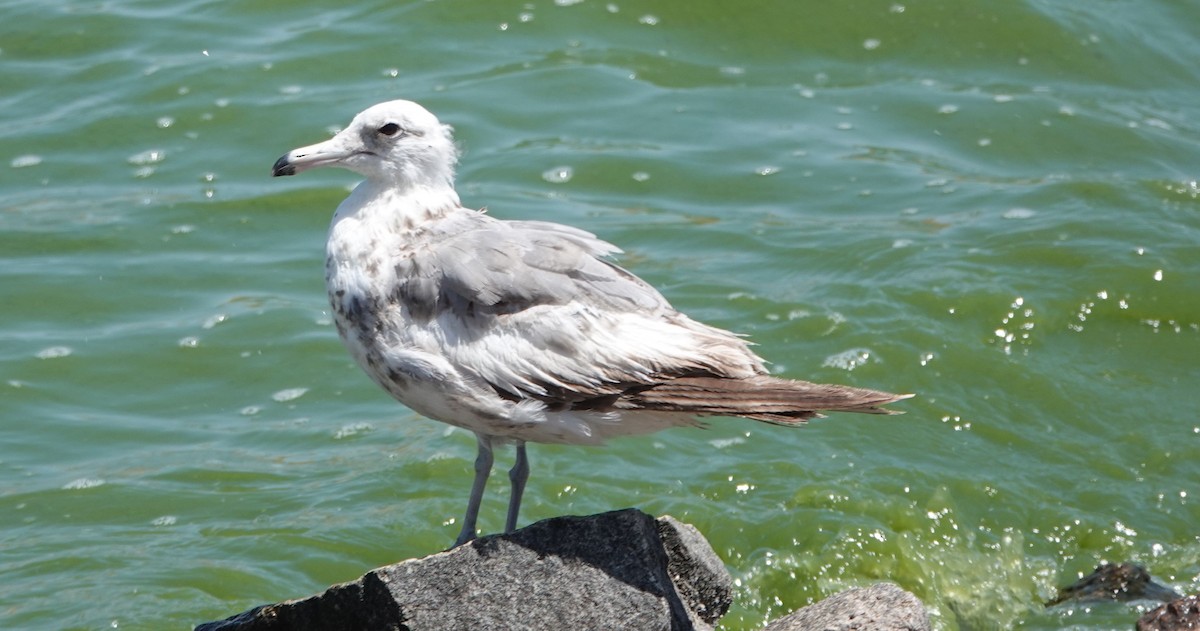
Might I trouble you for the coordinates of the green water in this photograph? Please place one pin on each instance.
(992, 205)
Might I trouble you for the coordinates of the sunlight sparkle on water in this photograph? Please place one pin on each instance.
(290, 394)
(150, 156)
(353, 429)
(83, 483)
(849, 359)
(1018, 213)
(28, 160)
(558, 175)
(54, 352)
(1016, 325)
(722, 443)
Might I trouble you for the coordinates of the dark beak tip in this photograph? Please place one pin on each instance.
(282, 167)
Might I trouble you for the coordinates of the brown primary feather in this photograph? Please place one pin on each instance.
(763, 398)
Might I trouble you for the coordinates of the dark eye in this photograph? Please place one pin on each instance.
(389, 129)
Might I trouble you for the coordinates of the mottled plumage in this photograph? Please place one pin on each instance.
(518, 330)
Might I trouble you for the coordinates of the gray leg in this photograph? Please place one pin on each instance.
(483, 468)
(518, 475)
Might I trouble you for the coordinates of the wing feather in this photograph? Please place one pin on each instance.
(534, 310)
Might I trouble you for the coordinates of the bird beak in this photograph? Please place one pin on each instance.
(331, 151)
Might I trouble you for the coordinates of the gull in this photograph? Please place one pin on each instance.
(519, 331)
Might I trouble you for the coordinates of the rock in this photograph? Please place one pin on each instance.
(1122, 582)
(1176, 615)
(881, 607)
(618, 570)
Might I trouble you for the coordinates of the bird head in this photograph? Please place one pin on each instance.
(398, 143)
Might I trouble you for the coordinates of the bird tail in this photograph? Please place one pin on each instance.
(762, 398)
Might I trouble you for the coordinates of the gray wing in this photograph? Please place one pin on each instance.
(533, 310)
(504, 267)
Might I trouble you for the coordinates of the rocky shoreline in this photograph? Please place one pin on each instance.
(617, 570)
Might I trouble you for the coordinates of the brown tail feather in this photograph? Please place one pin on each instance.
(761, 398)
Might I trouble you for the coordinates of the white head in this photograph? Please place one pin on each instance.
(397, 143)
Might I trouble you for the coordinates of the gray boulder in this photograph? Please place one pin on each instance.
(618, 570)
(881, 607)
(1176, 615)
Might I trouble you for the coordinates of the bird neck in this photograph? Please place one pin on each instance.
(374, 225)
(400, 207)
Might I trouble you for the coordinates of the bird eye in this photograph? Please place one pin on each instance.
(389, 129)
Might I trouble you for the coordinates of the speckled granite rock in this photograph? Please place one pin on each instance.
(618, 570)
(881, 607)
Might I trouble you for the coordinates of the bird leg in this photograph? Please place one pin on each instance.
(483, 468)
(517, 475)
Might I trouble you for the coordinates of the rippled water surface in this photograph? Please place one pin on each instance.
(992, 205)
